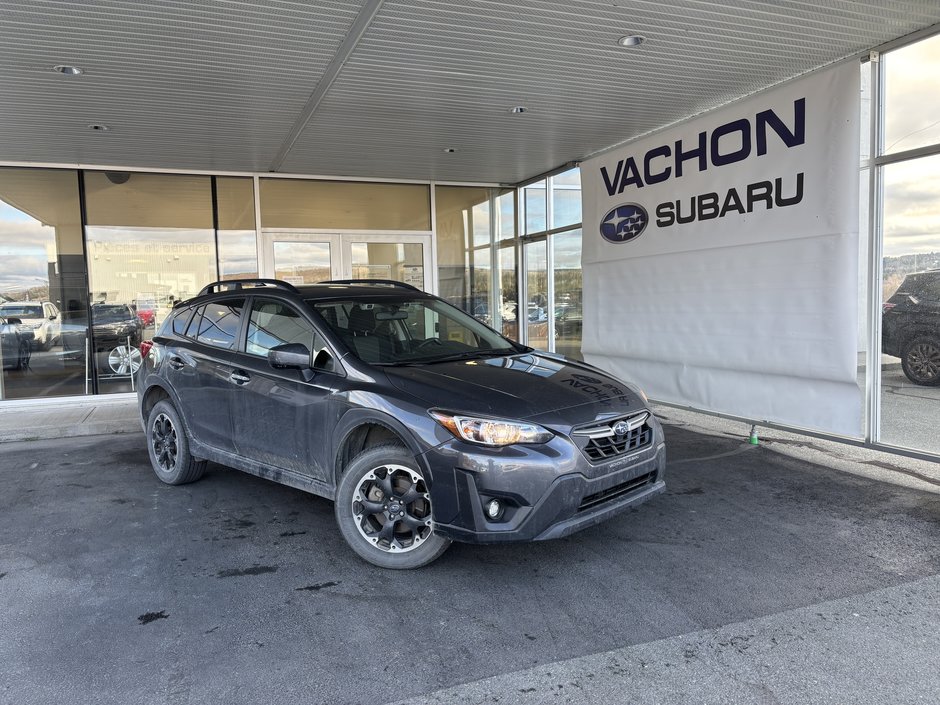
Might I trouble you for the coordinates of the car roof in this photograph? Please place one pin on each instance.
(356, 291)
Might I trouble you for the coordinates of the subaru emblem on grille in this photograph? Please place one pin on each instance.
(621, 428)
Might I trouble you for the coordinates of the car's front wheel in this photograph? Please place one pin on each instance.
(383, 508)
(168, 446)
(920, 361)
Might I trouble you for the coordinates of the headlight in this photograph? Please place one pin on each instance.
(491, 432)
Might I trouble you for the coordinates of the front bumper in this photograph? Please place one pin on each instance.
(548, 491)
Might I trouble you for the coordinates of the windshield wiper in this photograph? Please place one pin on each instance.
(466, 355)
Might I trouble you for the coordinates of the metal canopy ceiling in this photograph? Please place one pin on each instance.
(380, 89)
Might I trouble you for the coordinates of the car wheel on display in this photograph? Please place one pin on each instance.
(124, 360)
(383, 509)
(168, 447)
(920, 361)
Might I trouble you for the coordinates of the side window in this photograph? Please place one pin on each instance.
(219, 324)
(181, 320)
(193, 326)
(274, 323)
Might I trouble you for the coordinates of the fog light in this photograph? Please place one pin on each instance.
(494, 508)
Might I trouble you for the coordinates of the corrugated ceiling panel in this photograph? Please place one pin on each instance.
(432, 74)
(205, 85)
(214, 84)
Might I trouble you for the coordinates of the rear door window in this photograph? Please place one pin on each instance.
(219, 324)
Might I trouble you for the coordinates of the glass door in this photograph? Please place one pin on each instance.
(301, 258)
(304, 257)
(402, 258)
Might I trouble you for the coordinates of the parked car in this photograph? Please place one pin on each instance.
(15, 343)
(421, 423)
(42, 318)
(910, 327)
(116, 332)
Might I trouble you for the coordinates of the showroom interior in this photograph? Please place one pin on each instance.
(121, 194)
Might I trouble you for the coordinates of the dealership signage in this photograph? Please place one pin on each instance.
(720, 257)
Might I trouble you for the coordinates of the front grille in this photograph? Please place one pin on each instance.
(620, 490)
(617, 436)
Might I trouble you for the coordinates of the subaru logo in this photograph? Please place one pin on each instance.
(624, 223)
(621, 428)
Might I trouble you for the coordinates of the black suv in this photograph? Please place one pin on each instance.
(910, 327)
(421, 423)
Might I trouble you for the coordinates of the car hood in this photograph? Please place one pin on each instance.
(541, 387)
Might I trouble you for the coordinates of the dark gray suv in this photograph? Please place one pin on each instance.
(421, 423)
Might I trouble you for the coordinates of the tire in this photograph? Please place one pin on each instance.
(168, 447)
(920, 360)
(363, 511)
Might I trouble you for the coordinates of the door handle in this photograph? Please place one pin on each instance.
(177, 363)
(239, 378)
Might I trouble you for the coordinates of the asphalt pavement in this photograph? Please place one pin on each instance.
(771, 574)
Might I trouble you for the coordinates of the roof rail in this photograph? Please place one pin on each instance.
(374, 282)
(235, 284)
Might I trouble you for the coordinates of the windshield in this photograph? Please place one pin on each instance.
(402, 331)
(110, 313)
(21, 310)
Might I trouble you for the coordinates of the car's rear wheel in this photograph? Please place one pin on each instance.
(124, 360)
(383, 508)
(920, 361)
(168, 447)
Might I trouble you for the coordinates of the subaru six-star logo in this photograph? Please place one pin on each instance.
(624, 223)
(621, 428)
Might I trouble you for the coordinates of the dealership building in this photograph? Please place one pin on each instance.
(723, 202)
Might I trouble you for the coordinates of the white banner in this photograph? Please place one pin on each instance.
(721, 257)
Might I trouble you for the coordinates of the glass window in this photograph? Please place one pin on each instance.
(535, 207)
(181, 320)
(508, 321)
(566, 250)
(401, 262)
(238, 248)
(465, 242)
(219, 324)
(344, 205)
(912, 96)
(151, 243)
(566, 199)
(536, 315)
(274, 323)
(302, 263)
(910, 362)
(43, 285)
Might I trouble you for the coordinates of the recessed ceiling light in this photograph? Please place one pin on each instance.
(631, 40)
(98, 127)
(449, 150)
(68, 70)
(518, 109)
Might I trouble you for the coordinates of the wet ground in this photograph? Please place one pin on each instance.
(118, 589)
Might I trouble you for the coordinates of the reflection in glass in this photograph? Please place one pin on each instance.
(300, 263)
(910, 362)
(238, 249)
(912, 96)
(401, 262)
(567, 308)
(465, 243)
(535, 207)
(43, 292)
(508, 322)
(151, 243)
(566, 199)
(536, 314)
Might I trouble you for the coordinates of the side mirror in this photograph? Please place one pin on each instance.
(290, 356)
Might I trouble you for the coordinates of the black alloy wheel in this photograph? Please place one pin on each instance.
(921, 361)
(383, 508)
(168, 447)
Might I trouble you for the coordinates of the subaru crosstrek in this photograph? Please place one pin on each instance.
(421, 423)
(910, 327)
